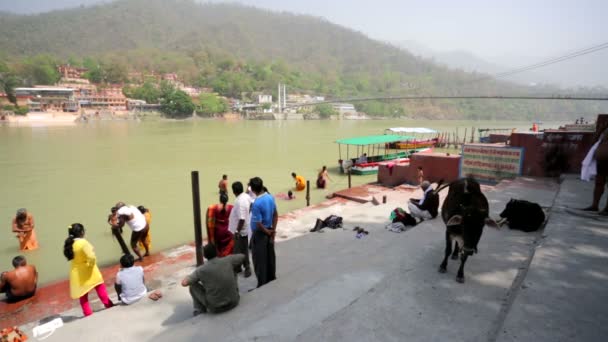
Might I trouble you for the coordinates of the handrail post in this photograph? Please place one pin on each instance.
(198, 228)
(349, 182)
(307, 193)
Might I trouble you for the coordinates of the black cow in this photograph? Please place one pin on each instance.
(523, 215)
(465, 212)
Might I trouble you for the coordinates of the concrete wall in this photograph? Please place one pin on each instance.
(394, 176)
(539, 147)
(533, 153)
(435, 166)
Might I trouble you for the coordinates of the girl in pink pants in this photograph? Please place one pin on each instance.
(84, 273)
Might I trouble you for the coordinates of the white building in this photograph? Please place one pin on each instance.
(344, 109)
(263, 98)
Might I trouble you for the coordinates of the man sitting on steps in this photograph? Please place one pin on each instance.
(214, 286)
(427, 207)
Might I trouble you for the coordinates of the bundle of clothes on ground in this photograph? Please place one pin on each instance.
(400, 220)
(331, 221)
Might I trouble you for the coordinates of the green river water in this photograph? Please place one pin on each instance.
(77, 173)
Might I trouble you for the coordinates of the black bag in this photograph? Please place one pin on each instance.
(333, 222)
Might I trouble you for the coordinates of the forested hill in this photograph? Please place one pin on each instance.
(198, 41)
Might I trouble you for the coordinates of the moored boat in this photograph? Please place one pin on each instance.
(372, 152)
(423, 138)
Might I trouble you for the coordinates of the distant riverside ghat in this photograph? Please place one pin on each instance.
(76, 173)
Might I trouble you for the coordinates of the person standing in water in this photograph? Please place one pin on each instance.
(23, 226)
(322, 178)
(300, 182)
(148, 216)
(113, 221)
(137, 222)
(84, 273)
(223, 184)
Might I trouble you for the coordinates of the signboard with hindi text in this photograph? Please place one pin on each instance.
(491, 164)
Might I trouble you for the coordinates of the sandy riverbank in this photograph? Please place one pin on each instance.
(42, 119)
(47, 119)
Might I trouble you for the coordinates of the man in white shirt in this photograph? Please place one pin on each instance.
(137, 222)
(129, 284)
(238, 224)
(427, 207)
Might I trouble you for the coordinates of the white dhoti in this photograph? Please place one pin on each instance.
(418, 213)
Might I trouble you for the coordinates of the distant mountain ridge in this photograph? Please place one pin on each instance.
(589, 70)
(183, 35)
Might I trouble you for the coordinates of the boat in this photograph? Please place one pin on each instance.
(373, 152)
(413, 142)
(501, 134)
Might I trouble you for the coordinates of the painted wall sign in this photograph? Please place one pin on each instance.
(490, 164)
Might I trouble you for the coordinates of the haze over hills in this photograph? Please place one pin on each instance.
(308, 53)
(584, 71)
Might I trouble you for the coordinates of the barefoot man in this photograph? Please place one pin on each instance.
(137, 222)
(19, 283)
(23, 226)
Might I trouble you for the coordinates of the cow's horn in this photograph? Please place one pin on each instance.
(455, 220)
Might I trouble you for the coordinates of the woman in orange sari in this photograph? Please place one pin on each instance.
(23, 225)
(217, 226)
(148, 216)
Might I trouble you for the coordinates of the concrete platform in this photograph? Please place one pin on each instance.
(385, 286)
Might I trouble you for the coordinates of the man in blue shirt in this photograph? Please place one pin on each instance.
(264, 218)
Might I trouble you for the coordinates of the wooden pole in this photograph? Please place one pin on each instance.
(198, 227)
(464, 139)
(349, 183)
(472, 135)
(307, 193)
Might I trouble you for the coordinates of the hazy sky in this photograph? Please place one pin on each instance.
(488, 28)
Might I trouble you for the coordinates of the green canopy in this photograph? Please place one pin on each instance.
(374, 139)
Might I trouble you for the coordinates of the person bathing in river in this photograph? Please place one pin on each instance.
(148, 216)
(113, 221)
(137, 222)
(20, 283)
(223, 184)
(84, 273)
(300, 182)
(286, 196)
(23, 226)
(322, 178)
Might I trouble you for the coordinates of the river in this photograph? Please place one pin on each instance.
(77, 173)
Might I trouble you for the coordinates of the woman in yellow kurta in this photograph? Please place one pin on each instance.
(84, 273)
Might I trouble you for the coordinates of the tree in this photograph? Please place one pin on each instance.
(95, 74)
(210, 104)
(115, 73)
(175, 103)
(148, 92)
(41, 69)
(325, 110)
(106, 73)
(8, 82)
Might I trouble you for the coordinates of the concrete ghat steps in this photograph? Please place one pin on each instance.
(332, 286)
